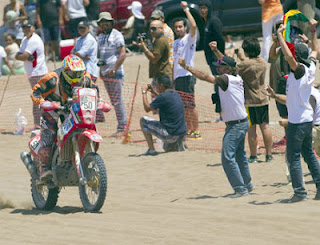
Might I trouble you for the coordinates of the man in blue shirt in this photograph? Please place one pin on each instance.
(172, 126)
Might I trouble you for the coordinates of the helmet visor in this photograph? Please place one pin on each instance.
(74, 74)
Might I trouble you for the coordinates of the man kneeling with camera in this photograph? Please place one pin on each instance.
(171, 128)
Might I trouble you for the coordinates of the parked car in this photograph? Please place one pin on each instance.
(119, 11)
(236, 16)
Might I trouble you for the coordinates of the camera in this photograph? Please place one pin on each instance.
(101, 63)
(142, 37)
(215, 98)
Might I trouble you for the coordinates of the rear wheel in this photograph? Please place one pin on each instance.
(43, 197)
(94, 192)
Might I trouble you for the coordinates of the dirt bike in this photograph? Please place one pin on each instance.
(74, 158)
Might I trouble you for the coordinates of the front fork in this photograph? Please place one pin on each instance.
(82, 178)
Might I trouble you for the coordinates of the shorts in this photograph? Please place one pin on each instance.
(73, 26)
(282, 109)
(316, 139)
(51, 33)
(155, 128)
(186, 86)
(258, 114)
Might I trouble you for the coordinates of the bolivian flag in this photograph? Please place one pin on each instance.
(288, 17)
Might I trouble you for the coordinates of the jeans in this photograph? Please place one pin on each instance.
(299, 140)
(234, 159)
(114, 89)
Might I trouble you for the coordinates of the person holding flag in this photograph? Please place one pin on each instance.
(300, 112)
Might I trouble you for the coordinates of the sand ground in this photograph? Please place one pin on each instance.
(173, 198)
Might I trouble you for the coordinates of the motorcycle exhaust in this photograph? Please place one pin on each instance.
(26, 159)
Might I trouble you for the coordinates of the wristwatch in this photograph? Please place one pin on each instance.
(144, 92)
(113, 71)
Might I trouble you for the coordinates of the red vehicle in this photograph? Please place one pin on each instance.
(119, 11)
(74, 158)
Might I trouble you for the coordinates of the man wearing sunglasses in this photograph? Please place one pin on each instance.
(112, 53)
(159, 54)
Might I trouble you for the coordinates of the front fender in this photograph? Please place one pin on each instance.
(88, 135)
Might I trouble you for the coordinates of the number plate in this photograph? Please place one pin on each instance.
(88, 103)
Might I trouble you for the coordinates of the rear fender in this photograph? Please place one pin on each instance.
(85, 136)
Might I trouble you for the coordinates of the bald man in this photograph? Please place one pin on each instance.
(158, 55)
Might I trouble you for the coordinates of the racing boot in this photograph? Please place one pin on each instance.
(45, 172)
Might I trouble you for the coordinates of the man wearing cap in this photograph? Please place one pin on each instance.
(136, 22)
(87, 49)
(32, 53)
(233, 113)
(300, 112)
(167, 31)
(112, 55)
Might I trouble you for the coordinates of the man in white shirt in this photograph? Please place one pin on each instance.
(185, 46)
(32, 53)
(300, 112)
(112, 55)
(87, 49)
(233, 113)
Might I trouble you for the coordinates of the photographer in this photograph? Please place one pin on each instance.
(172, 127)
(158, 56)
(112, 54)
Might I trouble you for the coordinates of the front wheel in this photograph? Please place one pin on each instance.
(43, 197)
(94, 192)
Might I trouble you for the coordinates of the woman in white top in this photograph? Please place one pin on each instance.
(12, 49)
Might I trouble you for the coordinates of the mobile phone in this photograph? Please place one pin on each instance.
(236, 50)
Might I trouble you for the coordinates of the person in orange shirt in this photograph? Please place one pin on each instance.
(272, 12)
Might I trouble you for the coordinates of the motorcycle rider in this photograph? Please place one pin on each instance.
(57, 86)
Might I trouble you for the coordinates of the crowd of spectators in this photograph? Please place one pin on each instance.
(239, 87)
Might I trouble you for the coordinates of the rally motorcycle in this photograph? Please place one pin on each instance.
(74, 158)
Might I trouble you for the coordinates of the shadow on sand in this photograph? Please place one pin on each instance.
(57, 210)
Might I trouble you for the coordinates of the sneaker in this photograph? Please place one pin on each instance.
(317, 196)
(296, 198)
(252, 159)
(238, 194)
(195, 135)
(269, 158)
(117, 134)
(280, 143)
(188, 135)
(45, 173)
(150, 153)
(250, 188)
